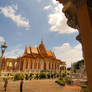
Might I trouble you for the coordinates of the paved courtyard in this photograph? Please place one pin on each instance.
(39, 86)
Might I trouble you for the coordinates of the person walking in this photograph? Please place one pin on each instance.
(21, 86)
(5, 84)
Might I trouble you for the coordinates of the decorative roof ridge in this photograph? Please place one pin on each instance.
(31, 51)
(25, 52)
(39, 51)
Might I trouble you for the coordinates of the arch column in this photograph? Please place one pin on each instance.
(39, 66)
(51, 66)
(5, 66)
(28, 65)
(54, 66)
(42, 65)
(24, 65)
(47, 65)
(32, 65)
(86, 35)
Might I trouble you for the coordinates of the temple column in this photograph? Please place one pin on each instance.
(28, 68)
(5, 66)
(51, 66)
(39, 66)
(47, 65)
(18, 67)
(54, 66)
(32, 65)
(57, 68)
(24, 65)
(35, 66)
(42, 65)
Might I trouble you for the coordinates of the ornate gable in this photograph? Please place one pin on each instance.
(42, 49)
(51, 54)
(27, 50)
(34, 50)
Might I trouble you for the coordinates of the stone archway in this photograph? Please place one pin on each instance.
(79, 15)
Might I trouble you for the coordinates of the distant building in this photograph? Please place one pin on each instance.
(35, 59)
(79, 69)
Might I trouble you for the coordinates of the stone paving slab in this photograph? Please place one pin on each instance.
(38, 86)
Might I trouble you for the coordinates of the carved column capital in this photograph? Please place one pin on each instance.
(78, 3)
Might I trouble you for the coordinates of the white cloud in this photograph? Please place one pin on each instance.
(1, 39)
(68, 53)
(54, 2)
(47, 7)
(15, 52)
(10, 12)
(57, 19)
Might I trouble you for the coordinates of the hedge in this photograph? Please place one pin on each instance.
(84, 87)
(18, 76)
(42, 75)
(60, 82)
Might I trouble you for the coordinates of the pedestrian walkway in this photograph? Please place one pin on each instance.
(39, 86)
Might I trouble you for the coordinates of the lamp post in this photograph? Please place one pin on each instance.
(3, 48)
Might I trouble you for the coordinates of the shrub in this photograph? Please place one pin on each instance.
(48, 75)
(63, 74)
(7, 74)
(52, 75)
(26, 76)
(37, 76)
(43, 71)
(31, 75)
(57, 75)
(42, 75)
(68, 81)
(60, 82)
(84, 87)
(18, 76)
(8, 77)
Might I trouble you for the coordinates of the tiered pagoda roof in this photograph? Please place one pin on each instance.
(40, 50)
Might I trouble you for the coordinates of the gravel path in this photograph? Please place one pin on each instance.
(39, 86)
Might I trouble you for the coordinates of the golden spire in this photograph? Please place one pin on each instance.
(25, 52)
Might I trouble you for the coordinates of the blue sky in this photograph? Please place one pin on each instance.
(30, 21)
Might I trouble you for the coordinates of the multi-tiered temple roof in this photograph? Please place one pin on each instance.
(40, 50)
